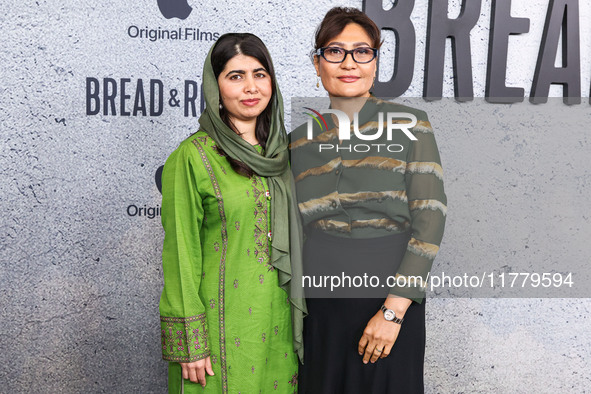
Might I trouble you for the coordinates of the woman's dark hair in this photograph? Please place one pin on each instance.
(226, 47)
(335, 21)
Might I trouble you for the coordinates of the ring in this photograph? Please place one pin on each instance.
(378, 350)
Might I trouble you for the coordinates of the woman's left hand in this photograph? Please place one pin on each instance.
(378, 338)
(380, 334)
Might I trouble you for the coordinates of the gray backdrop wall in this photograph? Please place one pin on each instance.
(80, 273)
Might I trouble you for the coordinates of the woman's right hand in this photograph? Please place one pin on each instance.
(195, 371)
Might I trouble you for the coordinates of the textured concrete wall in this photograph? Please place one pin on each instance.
(80, 273)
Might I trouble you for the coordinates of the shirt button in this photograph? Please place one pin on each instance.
(334, 204)
(337, 172)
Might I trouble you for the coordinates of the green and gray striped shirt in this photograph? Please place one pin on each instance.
(372, 188)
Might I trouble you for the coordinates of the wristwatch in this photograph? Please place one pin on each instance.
(390, 315)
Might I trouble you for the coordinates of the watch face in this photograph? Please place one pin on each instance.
(389, 314)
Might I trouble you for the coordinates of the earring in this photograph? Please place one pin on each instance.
(317, 81)
(221, 106)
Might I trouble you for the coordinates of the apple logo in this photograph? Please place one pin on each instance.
(175, 8)
(158, 178)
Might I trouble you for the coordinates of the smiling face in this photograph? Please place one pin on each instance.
(245, 88)
(347, 79)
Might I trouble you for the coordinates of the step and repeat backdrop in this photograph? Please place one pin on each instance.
(94, 96)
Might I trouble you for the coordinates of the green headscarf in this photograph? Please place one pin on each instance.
(286, 245)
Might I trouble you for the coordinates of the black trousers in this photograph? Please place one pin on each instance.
(334, 325)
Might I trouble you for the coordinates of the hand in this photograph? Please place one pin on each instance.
(195, 371)
(379, 334)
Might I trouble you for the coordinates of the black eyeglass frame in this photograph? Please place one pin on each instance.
(320, 52)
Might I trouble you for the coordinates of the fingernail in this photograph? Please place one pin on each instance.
(364, 362)
(360, 353)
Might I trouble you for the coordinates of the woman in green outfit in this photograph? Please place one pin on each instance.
(231, 310)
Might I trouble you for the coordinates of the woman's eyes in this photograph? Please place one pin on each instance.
(339, 51)
(236, 77)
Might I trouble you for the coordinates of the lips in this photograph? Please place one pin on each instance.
(250, 102)
(348, 78)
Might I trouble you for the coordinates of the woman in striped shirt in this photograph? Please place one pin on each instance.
(372, 200)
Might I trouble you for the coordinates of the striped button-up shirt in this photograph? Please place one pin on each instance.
(364, 188)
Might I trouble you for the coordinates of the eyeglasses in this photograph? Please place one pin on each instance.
(338, 55)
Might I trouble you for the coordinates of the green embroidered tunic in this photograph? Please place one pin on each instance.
(221, 296)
